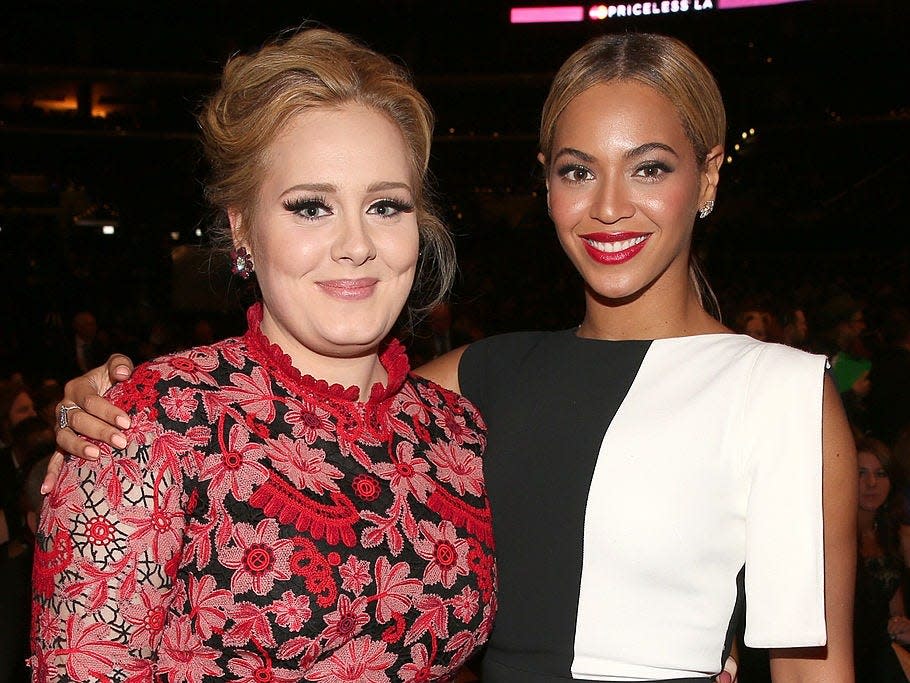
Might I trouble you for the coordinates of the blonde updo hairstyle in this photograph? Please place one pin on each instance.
(309, 69)
(668, 66)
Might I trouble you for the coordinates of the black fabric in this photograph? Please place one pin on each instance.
(517, 673)
(548, 399)
(877, 580)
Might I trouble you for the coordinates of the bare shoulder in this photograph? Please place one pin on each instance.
(444, 369)
(838, 437)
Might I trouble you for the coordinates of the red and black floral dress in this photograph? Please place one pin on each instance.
(262, 526)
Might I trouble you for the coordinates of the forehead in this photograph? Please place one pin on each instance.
(868, 460)
(621, 112)
(350, 143)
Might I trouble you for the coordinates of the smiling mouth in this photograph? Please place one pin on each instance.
(614, 247)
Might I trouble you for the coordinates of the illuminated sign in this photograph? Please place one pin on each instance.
(545, 15)
(599, 12)
(643, 9)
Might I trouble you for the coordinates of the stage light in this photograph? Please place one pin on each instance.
(598, 12)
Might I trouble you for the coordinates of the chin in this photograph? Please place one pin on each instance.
(616, 290)
(354, 341)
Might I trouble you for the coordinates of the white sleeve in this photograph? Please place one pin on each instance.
(785, 578)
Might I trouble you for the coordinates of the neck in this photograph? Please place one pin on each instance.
(361, 369)
(669, 307)
(865, 521)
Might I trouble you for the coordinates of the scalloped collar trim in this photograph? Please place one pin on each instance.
(392, 355)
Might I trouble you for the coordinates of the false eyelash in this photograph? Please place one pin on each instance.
(396, 204)
(296, 204)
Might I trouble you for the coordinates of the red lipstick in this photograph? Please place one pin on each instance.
(612, 248)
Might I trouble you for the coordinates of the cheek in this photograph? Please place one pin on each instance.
(676, 201)
(290, 253)
(565, 206)
(400, 249)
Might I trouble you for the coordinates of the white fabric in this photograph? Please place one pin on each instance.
(712, 461)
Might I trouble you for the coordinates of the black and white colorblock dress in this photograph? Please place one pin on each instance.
(631, 482)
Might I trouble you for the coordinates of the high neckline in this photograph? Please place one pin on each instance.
(392, 356)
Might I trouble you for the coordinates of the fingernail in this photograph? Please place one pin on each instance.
(122, 371)
(123, 422)
(119, 440)
(92, 452)
(45, 488)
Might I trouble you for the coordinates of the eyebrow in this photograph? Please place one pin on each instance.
(388, 185)
(649, 147)
(630, 154)
(323, 188)
(328, 188)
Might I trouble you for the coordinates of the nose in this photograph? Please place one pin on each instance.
(612, 202)
(867, 480)
(353, 243)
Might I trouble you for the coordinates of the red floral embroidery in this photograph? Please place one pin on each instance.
(258, 557)
(292, 611)
(355, 575)
(264, 526)
(345, 622)
(363, 660)
(183, 657)
(365, 487)
(332, 521)
(308, 562)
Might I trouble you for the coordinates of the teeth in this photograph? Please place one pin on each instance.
(613, 247)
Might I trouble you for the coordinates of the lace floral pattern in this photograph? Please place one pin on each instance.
(264, 526)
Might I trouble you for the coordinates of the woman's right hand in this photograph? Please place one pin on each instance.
(96, 418)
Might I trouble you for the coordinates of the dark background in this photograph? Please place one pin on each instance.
(818, 196)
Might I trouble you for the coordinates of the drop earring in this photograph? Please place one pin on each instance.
(241, 262)
(706, 209)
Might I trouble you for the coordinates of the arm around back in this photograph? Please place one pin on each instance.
(444, 369)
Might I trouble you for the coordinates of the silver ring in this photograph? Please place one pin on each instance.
(63, 422)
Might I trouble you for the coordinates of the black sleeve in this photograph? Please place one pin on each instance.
(471, 372)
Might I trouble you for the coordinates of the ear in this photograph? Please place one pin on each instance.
(235, 218)
(711, 174)
(543, 162)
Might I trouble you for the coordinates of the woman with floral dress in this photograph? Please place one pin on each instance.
(291, 504)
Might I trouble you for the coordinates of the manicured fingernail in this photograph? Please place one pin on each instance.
(91, 452)
(45, 489)
(123, 422)
(119, 440)
(122, 371)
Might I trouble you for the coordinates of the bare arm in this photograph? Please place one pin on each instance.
(834, 662)
(444, 370)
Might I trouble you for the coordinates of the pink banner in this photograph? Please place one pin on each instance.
(541, 15)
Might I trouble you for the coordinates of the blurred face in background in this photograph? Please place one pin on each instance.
(756, 326)
(874, 483)
(22, 407)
